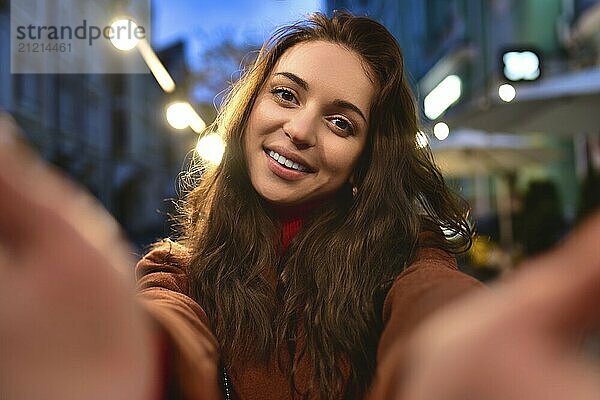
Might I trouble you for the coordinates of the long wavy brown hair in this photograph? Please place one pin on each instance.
(337, 270)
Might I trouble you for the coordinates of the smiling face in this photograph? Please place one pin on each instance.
(309, 124)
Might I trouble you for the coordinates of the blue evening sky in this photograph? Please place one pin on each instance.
(198, 21)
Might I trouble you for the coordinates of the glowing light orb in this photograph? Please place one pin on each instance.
(507, 92)
(123, 35)
(441, 130)
(211, 148)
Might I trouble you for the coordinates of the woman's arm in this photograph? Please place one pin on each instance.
(520, 340)
(163, 290)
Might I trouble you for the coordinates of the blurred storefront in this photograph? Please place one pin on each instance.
(456, 50)
(556, 108)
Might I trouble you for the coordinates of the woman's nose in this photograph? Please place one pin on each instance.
(302, 127)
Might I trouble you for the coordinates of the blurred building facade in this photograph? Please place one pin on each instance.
(555, 113)
(107, 131)
(466, 38)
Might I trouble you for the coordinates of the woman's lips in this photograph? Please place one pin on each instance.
(276, 151)
(283, 171)
(286, 161)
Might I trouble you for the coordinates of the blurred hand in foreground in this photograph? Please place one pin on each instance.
(522, 340)
(69, 326)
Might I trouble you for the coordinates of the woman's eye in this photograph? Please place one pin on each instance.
(284, 94)
(342, 125)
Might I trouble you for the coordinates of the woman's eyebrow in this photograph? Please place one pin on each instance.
(338, 102)
(293, 77)
(349, 106)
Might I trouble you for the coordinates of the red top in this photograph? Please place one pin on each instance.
(292, 219)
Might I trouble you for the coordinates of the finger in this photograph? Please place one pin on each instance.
(22, 182)
(8, 130)
(564, 284)
(7, 137)
(11, 150)
(37, 201)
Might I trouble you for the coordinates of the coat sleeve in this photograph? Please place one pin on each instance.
(163, 290)
(430, 282)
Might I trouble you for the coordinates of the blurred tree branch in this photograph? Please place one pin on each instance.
(223, 60)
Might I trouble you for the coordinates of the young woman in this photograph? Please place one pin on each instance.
(317, 243)
(310, 262)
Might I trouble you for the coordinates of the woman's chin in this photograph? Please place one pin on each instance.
(282, 199)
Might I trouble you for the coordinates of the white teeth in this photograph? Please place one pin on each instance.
(285, 162)
(299, 167)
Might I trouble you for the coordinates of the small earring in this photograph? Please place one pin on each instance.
(353, 185)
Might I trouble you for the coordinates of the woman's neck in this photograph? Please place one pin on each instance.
(292, 219)
(285, 212)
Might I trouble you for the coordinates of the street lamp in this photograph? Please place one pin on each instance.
(178, 114)
(211, 148)
(130, 40)
(446, 93)
(441, 130)
(181, 114)
(124, 41)
(521, 65)
(507, 92)
(156, 67)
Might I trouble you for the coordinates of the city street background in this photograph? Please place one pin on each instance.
(509, 92)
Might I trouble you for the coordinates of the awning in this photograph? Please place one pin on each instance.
(566, 104)
(468, 153)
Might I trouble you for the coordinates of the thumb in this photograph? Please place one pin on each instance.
(565, 282)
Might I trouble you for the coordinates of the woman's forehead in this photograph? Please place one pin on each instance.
(329, 69)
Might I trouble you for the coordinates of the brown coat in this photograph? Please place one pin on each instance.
(430, 282)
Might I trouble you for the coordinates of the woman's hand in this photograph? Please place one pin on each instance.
(520, 340)
(69, 326)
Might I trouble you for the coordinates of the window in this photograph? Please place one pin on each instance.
(66, 106)
(27, 92)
